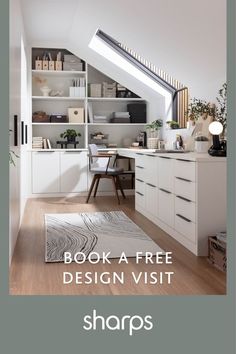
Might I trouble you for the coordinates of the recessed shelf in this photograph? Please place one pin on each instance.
(115, 99)
(123, 124)
(59, 72)
(57, 98)
(52, 124)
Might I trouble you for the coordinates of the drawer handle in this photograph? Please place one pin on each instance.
(165, 191)
(139, 153)
(150, 155)
(140, 193)
(151, 185)
(140, 167)
(184, 179)
(185, 199)
(165, 157)
(183, 217)
(45, 152)
(184, 160)
(139, 180)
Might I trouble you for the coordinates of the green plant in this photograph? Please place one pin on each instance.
(221, 109)
(70, 134)
(198, 108)
(155, 125)
(173, 124)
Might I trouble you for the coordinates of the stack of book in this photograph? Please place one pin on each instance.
(37, 142)
(121, 117)
(100, 119)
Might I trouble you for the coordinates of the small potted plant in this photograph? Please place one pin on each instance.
(153, 133)
(201, 143)
(200, 108)
(70, 135)
(173, 124)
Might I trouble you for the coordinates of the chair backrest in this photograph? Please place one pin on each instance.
(98, 163)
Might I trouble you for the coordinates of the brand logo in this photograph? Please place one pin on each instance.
(128, 323)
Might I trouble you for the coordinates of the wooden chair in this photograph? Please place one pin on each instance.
(102, 165)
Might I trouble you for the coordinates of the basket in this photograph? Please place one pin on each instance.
(152, 143)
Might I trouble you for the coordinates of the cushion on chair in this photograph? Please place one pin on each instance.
(110, 170)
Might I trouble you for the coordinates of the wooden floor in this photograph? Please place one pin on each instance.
(30, 275)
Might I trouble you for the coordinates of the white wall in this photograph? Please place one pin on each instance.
(18, 106)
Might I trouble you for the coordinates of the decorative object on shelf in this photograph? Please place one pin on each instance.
(219, 147)
(58, 118)
(99, 138)
(153, 128)
(120, 117)
(142, 139)
(45, 90)
(200, 108)
(78, 88)
(40, 117)
(70, 135)
(201, 143)
(172, 124)
(38, 64)
(95, 90)
(221, 109)
(76, 115)
(56, 93)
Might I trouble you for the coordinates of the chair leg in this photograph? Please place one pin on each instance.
(115, 188)
(91, 187)
(96, 186)
(120, 186)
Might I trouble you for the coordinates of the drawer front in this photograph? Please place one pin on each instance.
(186, 208)
(151, 166)
(139, 186)
(140, 172)
(139, 159)
(166, 207)
(165, 173)
(185, 227)
(151, 199)
(185, 169)
(140, 199)
(185, 189)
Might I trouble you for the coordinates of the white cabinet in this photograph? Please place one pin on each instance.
(73, 171)
(45, 172)
(165, 173)
(151, 166)
(166, 207)
(151, 199)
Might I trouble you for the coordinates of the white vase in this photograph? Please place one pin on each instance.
(201, 147)
(45, 91)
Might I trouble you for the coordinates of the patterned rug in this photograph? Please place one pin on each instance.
(96, 232)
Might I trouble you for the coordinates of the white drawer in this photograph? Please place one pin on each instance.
(185, 169)
(186, 189)
(166, 207)
(186, 208)
(140, 159)
(139, 186)
(140, 199)
(140, 172)
(151, 199)
(185, 227)
(165, 173)
(151, 166)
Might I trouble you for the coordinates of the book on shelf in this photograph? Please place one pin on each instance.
(49, 144)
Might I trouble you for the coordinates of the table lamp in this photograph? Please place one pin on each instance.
(219, 147)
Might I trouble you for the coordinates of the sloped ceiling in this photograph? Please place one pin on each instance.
(186, 38)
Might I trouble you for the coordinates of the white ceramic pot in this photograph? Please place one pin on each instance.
(45, 90)
(201, 146)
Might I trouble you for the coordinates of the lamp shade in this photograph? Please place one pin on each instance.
(215, 128)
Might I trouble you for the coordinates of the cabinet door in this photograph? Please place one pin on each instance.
(166, 207)
(73, 171)
(151, 165)
(166, 173)
(151, 199)
(45, 172)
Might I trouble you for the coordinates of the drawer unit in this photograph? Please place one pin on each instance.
(166, 207)
(140, 199)
(185, 188)
(165, 173)
(185, 227)
(140, 186)
(140, 159)
(140, 172)
(185, 207)
(151, 199)
(151, 166)
(185, 169)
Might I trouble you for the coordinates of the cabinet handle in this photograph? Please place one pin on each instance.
(185, 199)
(184, 179)
(140, 167)
(151, 155)
(164, 190)
(183, 217)
(139, 193)
(140, 180)
(165, 157)
(184, 160)
(139, 153)
(44, 152)
(151, 185)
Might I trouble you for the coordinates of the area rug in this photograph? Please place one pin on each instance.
(96, 232)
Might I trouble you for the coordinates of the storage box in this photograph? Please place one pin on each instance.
(58, 65)
(45, 64)
(217, 253)
(76, 115)
(137, 112)
(38, 65)
(109, 90)
(51, 65)
(70, 58)
(40, 117)
(72, 66)
(95, 90)
(58, 118)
